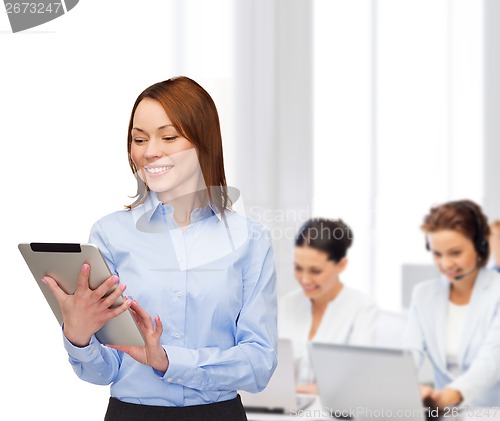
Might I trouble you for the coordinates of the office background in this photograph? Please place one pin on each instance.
(367, 110)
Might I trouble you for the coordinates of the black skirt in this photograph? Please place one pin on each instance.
(231, 410)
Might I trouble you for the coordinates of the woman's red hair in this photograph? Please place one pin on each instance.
(194, 115)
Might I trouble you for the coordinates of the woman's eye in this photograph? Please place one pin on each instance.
(316, 272)
(170, 138)
(138, 141)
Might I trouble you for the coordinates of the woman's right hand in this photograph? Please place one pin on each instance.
(307, 389)
(86, 311)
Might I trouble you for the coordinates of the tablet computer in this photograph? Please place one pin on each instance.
(63, 262)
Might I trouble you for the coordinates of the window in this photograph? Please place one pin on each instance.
(398, 126)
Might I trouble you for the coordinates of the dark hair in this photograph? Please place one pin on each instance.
(331, 236)
(463, 216)
(194, 115)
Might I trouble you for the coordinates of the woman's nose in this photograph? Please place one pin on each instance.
(153, 149)
(446, 263)
(305, 279)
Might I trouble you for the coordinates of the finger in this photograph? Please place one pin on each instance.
(142, 316)
(141, 311)
(59, 294)
(82, 283)
(115, 295)
(105, 287)
(159, 325)
(122, 308)
(144, 325)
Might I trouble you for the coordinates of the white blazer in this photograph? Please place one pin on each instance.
(479, 351)
(349, 319)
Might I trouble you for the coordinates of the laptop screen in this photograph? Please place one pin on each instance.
(367, 383)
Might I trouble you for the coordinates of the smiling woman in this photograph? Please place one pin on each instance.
(323, 309)
(162, 124)
(164, 160)
(455, 320)
(204, 273)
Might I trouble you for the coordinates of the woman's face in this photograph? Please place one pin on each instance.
(165, 161)
(317, 275)
(454, 254)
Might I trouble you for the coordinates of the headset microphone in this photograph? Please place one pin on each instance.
(463, 275)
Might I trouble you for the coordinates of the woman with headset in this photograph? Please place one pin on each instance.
(455, 320)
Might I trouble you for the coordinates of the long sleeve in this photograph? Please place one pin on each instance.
(483, 374)
(479, 353)
(213, 285)
(95, 363)
(250, 364)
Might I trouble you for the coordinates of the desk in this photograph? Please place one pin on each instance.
(312, 413)
(316, 412)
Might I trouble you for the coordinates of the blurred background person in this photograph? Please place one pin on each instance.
(455, 319)
(495, 244)
(323, 309)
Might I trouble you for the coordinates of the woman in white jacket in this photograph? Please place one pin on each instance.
(455, 319)
(323, 309)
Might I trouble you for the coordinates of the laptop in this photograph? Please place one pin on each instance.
(365, 383)
(280, 395)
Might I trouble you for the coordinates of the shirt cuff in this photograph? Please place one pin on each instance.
(84, 354)
(158, 372)
(180, 365)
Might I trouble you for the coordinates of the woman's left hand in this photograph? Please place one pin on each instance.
(446, 397)
(307, 389)
(152, 353)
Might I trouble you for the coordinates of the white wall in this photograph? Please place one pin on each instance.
(273, 119)
(491, 154)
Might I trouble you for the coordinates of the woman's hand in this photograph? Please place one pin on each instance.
(308, 389)
(86, 311)
(426, 395)
(152, 353)
(440, 398)
(446, 397)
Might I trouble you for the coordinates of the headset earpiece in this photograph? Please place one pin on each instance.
(481, 244)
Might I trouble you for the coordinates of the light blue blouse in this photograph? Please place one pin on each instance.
(213, 284)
